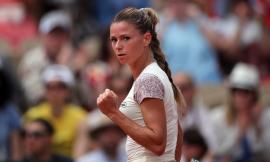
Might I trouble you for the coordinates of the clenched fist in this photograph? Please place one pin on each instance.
(108, 102)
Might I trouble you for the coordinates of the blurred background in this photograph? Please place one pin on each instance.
(56, 58)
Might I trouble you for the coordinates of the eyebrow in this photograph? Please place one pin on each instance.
(125, 34)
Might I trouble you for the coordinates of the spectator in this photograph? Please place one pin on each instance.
(38, 136)
(258, 54)
(197, 114)
(107, 137)
(239, 125)
(55, 29)
(59, 110)
(194, 146)
(231, 35)
(9, 118)
(186, 46)
(16, 23)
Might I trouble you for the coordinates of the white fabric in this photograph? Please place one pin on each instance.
(132, 110)
(265, 120)
(54, 19)
(227, 135)
(100, 156)
(31, 68)
(228, 28)
(58, 73)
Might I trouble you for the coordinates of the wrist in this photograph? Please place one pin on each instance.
(113, 114)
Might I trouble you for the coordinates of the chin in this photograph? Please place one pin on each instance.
(122, 61)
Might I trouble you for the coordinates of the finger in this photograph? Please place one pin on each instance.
(98, 101)
(107, 92)
(114, 95)
(112, 92)
(102, 96)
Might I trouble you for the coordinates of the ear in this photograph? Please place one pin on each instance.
(147, 37)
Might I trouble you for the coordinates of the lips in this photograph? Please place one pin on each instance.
(121, 54)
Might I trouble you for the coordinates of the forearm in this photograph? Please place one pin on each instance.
(143, 135)
(153, 135)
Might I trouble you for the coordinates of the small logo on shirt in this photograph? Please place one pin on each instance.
(123, 104)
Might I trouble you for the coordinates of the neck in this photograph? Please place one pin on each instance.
(43, 156)
(57, 110)
(138, 66)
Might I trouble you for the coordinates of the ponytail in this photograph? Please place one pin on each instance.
(161, 61)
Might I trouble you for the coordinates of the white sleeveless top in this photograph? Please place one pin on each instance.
(151, 83)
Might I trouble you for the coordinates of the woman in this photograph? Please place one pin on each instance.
(148, 115)
(239, 125)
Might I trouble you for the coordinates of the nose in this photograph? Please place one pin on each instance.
(118, 46)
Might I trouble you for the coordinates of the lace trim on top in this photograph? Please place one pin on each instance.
(148, 86)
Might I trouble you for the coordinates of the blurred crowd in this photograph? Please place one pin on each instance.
(56, 58)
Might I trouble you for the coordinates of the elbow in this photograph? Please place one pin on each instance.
(159, 149)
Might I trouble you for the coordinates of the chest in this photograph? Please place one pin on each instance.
(131, 108)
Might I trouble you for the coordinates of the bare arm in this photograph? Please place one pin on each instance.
(153, 135)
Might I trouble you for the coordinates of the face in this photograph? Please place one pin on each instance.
(54, 41)
(178, 7)
(36, 139)
(183, 82)
(242, 99)
(56, 92)
(110, 138)
(242, 9)
(128, 43)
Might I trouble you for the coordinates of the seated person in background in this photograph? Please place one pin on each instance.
(194, 146)
(197, 114)
(54, 30)
(108, 139)
(185, 46)
(38, 136)
(58, 109)
(239, 125)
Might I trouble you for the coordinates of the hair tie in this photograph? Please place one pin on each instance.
(142, 9)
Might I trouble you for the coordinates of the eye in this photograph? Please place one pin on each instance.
(126, 38)
(113, 39)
